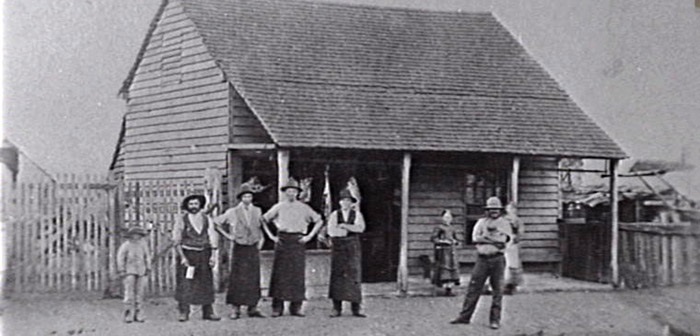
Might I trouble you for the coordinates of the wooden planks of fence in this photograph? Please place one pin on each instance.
(654, 254)
(154, 205)
(63, 235)
(56, 234)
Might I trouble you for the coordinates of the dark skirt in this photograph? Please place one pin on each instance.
(446, 268)
(200, 289)
(346, 270)
(287, 281)
(244, 282)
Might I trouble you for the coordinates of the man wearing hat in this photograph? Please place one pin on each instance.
(246, 234)
(196, 243)
(490, 236)
(134, 264)
(344, 228)
(292, 219)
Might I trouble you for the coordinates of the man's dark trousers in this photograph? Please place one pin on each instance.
(491, 267)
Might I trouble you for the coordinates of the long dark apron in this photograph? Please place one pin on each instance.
(287, 281)
(346, 269)
(244, 283)
(200, 289)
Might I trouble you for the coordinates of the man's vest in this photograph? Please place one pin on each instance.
(349, 221)
(191, 238)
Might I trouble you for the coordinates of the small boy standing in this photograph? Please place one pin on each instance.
(134, 265)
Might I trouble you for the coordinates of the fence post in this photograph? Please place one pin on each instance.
(116, 217)
(614, 218)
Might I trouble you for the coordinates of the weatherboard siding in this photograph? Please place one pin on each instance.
(436, 188)
(177, 120)
(538, 207)
(245, 126)
(431, 191)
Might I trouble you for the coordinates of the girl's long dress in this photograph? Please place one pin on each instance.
(446, 268)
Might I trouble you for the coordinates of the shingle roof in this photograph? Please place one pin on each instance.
(332, 75)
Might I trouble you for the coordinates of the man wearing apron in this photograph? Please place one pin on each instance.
(196, 243)
(291, 218)
(246, 234)
(344, 228)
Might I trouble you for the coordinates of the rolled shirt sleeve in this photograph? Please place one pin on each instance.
(359, 225)
(478, 232)
(312, 216)
(225, 217)
(177, 230)
(213, 235)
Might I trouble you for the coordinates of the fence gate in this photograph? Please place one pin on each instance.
(59, 235)
(63, 235)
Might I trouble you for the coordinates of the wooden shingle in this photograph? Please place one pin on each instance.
(346, 76)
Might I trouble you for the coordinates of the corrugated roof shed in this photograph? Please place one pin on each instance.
(341, 76)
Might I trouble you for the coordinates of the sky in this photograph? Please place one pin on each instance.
(632, 65)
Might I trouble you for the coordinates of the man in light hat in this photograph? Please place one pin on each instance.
(344, 227)
(490, 235)
(246, 233)
(292, 219)
(196, 243)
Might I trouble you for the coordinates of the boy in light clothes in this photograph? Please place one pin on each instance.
(134, 265)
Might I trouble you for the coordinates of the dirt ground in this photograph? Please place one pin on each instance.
(643, 312)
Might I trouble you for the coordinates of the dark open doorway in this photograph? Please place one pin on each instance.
(378, 178)
(380, 242)
(379, 184)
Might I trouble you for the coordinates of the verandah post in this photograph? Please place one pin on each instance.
(403, 249)
(282, 170)
(515, 172)
(614, 221)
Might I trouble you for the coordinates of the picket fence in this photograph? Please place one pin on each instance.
(155, 206)
(63, 235)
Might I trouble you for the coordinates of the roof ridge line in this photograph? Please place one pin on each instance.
(384, 7)
(418, 91)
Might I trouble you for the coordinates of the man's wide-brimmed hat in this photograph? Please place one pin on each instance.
(136, 230)
(201, 198)
(245, 189)
(493, 203)
(346, 194)
(292, 183)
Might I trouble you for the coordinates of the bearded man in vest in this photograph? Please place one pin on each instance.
(344, 227)
(196, 243)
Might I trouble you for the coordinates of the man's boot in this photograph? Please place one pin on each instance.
(208, 313)
(235, 313)
(253, 311)
(337, 308)
(356, 310)
(184, 312)
(138, 318)
(295, 309)
(127, 316)
(277, 307)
